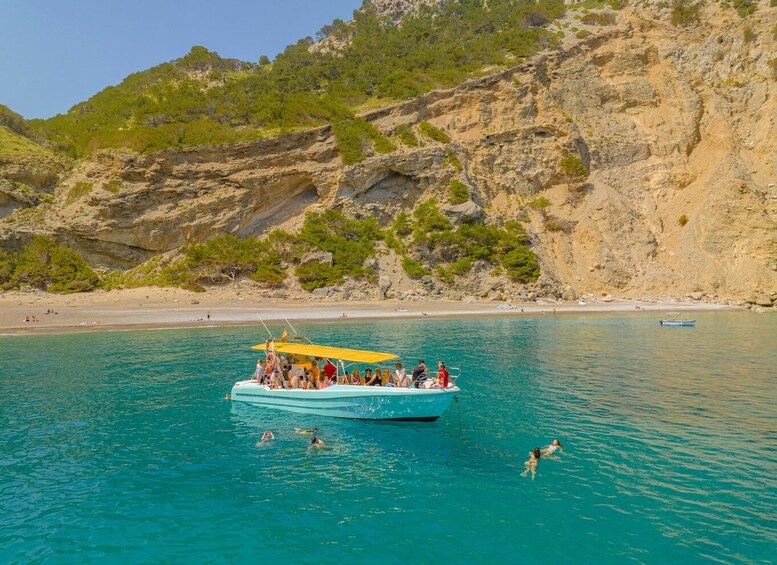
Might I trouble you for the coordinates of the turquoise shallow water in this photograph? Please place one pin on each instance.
(121, 447)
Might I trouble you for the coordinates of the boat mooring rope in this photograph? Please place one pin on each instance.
(458, 409)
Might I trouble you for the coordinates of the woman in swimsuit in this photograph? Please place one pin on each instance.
(552, 448)
(531, 463)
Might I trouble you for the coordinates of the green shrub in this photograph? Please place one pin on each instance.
(401, 224)
(458, 192)
(685, 14)
(582, 34)
(433, 133)
(521, 265)
(405, 134)
(748, 35)
(354, 135)
(413, 268)
(47, 265)
(683, 220)
(745, 7)
(350, 241)
(540, 203)
(598, 18)
(572, 170)
(453, 161)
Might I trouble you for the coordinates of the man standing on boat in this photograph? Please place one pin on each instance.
(330, 370)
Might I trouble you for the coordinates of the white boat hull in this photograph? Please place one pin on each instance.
(348, 401)
(684, 323)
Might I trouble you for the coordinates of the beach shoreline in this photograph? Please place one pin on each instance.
(172, 308)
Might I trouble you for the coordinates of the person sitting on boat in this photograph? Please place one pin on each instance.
(442, 375)
(315, 372)
(389, 378)
(372, 379)
(330, 369)
(419, 373)
(259, 370)
(552, 448)
(275, 379)
(531, 463)
(356, 378)
(297, 377)
(401, 375)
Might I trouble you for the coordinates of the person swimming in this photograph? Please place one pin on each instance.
(268, 436)
(531, 463)
(315, 443)
(310, 431)
(552, 448)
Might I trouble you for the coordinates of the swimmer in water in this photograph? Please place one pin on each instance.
(552, 448)
(268, 436)
(531, 463)
(315, 443)
(310, 431)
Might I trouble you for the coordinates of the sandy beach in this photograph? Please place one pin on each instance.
(175, 308)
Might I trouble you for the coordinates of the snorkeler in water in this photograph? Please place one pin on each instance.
(531, 463)
(310, 431)
(315, 443)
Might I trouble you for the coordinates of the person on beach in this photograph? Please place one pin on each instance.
(268, 436)
(531, 463)
(310, 431)
(442, 375)
(552, 448)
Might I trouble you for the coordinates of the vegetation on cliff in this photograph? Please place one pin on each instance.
(46, 265)
(205, 99)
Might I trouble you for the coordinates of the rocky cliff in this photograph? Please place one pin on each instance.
(677, 126)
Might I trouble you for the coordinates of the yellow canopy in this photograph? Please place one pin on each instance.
(356, 355)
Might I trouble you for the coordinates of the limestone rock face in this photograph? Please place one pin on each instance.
(395, 10)
(677, 126)
(466, 212)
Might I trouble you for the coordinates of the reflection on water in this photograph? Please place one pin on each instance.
(123, 444)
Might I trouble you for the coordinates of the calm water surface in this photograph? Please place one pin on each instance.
(121, 447)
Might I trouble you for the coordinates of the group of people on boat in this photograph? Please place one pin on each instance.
(302, 372)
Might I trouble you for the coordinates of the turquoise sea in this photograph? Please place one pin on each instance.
(120, 447)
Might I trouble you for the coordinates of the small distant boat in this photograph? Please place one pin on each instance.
(345, 400)
(674, 321)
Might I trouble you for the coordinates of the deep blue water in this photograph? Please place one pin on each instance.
(121, 447)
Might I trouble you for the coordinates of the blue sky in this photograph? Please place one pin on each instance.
(56, 53)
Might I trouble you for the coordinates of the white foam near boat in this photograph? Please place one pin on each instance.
(346, 400)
